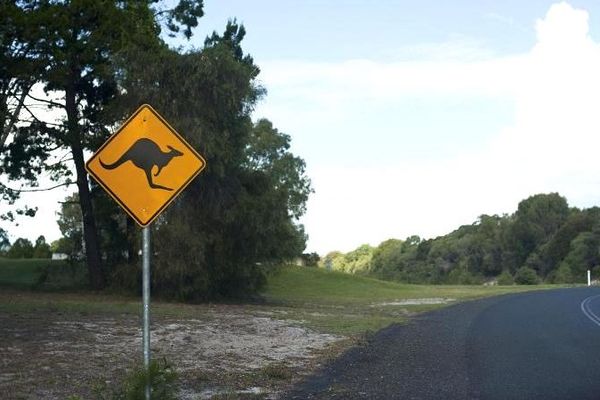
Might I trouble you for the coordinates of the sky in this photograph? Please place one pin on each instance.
(416, 117)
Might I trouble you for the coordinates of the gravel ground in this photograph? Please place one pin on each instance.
(51, 355)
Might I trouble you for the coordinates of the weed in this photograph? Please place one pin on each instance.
(160, 374)
(277, 371)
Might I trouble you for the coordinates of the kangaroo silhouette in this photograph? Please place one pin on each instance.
(145, 154)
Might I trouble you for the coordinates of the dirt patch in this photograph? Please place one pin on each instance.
(416, 302)
(52, 355)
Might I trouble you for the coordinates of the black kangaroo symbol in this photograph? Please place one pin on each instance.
(145, 154)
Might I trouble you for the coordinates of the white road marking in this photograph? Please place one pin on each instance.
(587, 311)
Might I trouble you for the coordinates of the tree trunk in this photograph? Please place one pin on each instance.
(90, 233)
(132, 241)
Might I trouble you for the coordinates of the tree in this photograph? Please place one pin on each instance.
(584, 253)
(78, 42)
(332, 261)
(556, 249)
(20, 62)
(4, 242)
(41, 248)
(21, 248)
(243, 209)
(536, 220)
(385, 256)
(70, 223)
(311, 259)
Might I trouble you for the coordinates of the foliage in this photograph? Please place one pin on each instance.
(70, 223)
(584, 253)
(243, 209)
(161, 375)
(505, 279)
(544, 235)
(69, 48)
(460, 276)
(21, 248)
(4, 242)
(563, 274)
(311, 259)
(526, 276)
(356, 261)
(41, 248)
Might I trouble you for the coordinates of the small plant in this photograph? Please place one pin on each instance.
(277, 371)
(163, 384)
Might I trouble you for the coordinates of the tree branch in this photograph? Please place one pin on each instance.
(52, 103)
(36, 190)
(15, 115)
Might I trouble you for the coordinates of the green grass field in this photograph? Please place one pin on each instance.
(21, 272)
(330, 302)
(336, 302)
(27, 273)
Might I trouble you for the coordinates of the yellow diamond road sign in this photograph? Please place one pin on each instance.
(145, 165)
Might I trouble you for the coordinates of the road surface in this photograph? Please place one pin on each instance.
(540, 345)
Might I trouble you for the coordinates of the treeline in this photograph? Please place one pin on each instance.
(23, 248)
(544, 240)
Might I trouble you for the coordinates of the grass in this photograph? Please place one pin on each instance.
(23, 272)
(41, 274)
(339, 303)
(329, 302)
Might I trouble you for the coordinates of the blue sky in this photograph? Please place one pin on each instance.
(415, 117)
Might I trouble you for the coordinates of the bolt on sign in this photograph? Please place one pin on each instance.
(145, 165)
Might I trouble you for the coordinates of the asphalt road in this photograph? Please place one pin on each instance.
(541, 345)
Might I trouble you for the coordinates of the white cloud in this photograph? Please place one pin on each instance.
(551, 146)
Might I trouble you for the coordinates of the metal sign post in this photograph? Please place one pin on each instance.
(146, 301)
(144, 166)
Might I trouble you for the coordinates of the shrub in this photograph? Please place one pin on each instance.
(526, 276)
(162, 379)
(460, 276)
(505, 278)
(563, 274)
(163, 383)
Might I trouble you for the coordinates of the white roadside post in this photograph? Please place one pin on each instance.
(589, 275)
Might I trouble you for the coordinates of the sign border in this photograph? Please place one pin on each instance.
(181, 188)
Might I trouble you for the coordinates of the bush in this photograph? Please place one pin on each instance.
(162, 379)
(505, 279)
(563, 274)
(62, 275)
(163, 383)
(526, 276)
